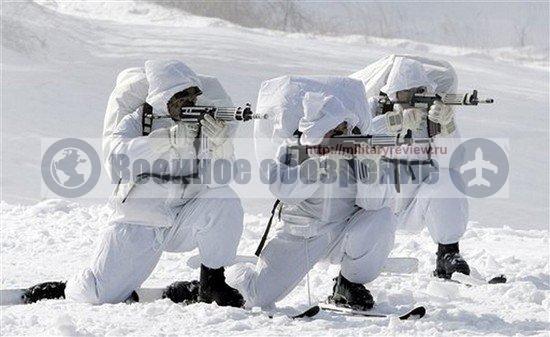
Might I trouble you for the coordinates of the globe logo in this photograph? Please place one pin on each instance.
(70, 167)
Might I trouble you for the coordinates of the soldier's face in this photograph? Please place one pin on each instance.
(177, 102)
(341, 129)
(407, 95)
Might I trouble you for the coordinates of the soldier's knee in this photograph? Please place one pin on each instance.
(86, 288)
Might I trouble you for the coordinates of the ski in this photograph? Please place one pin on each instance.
(314, 310)
(144, 295)
(415, 313)
(469, 280)
(148, 295)
(308, 313)
(16, 296)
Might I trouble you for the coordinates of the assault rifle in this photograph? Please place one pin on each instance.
(425, 101)
(352, 145)
(195, 114)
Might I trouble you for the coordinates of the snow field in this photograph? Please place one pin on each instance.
(55, 238)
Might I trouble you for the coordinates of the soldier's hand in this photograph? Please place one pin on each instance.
(394, 119)
(412, 118)
(440, 113)
(215, 130)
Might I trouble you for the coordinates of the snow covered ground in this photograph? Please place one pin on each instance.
(59, 63)
(55, 238)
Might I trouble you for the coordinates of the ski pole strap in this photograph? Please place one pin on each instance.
(267, 228)
(147, 119)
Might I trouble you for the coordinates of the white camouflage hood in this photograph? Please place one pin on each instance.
(406, 74)
(376, 74)
(283, 100)
(165, 79)
(322, 113)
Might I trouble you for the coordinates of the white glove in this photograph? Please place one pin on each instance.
(183, 134)
(394, 119)
(179, 137)
(224, 151)
(412, 118)
(441, 113)
(217, 134)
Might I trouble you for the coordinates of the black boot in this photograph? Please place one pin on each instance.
(353, 295)
(450, 261)
(44, 291)
(214, 289)
(182, 291)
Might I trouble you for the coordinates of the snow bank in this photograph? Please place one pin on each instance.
(36, 32)
(531, 56)
(131, 12)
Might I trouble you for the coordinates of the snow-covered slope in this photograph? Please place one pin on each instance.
(53, 239)
(478, 24)
(58, 87)
(59, 63)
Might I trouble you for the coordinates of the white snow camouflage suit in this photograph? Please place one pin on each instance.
(153, 217)
(429, 198)
(316, 220)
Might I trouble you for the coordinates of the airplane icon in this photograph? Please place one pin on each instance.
(478, 164)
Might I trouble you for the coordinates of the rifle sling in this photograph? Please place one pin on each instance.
(267, 229)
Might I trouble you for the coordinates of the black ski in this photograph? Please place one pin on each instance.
(415, 313)
(498, 279)
(470, 281)
(310, 312)
(146, 295)
(314, 310)
(143, 295)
